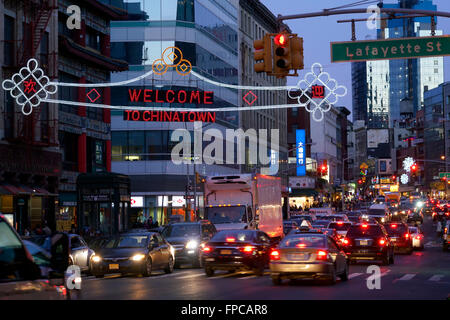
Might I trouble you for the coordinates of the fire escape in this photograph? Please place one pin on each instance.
(36, 17)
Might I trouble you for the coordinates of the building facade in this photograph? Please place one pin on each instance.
(207, 34)
(29, 156)
(85, 133)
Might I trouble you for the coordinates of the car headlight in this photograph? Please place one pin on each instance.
(192, 244)
(96, 259)
(382, 219)
(138, 257)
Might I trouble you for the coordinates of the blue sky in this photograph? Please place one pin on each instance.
(318, 32)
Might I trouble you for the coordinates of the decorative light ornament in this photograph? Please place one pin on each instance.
(407, 163)
(404, 178)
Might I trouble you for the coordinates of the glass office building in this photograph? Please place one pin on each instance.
(206, 31)
(380, 86)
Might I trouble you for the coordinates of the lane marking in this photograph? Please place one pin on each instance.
(248, 277)
(354, 275)
(436, 277)
(407, 277)
(192, 276)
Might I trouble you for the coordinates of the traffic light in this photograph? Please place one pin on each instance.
(323, 168)
(296, 53)
(198, 179)
(282, 56)
(263, 53)
(394, 178)
(413, 169)
(360, 181)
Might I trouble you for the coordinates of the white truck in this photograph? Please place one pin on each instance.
(244, 201)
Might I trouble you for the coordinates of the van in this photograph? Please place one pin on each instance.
(380, 212)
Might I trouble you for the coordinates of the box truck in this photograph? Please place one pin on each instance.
(244, 201)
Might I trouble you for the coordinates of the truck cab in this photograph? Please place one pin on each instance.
(244, 201)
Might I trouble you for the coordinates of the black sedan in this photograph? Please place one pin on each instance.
(234, 250)
(137, 253)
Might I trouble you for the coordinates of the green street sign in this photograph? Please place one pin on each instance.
(444, 174)
(387, 49)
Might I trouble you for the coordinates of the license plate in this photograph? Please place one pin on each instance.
(209, 259)
(394, 239)
(296, 256)
(363, 243)
(225, 251)
(114, 266)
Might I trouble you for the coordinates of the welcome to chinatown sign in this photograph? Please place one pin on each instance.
(147, 96)
(388, 49)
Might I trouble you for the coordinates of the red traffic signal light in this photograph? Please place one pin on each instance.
(414, 167)
(360, 181)
(281, 40)
(393, 178)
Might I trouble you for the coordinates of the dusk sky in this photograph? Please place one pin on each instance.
(318, 32)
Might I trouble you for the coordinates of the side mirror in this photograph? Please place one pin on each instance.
(59, 261)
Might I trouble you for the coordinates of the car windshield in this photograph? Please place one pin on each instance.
(219, 215)
(233, 236)
(321, 223)
(376, 212)
(413, 230)
(361, 231)
(340, 226)
(128, 241)
(395, 229)
(181, 230)
(301, 241)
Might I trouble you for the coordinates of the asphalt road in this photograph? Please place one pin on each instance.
(422, 275)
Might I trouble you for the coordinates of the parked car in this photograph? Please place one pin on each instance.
(79, 252)
(20, 271)
(308, 255)
(234, 250)
(188, 239)
(446, 237)
(137, 253)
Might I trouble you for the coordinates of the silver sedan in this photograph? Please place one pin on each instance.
(417, 237)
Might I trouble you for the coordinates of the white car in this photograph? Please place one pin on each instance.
(417, 238)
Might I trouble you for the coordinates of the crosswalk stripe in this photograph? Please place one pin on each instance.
(191, 276)
(354, 275)
(247, 277)
(436, 277)
(408, 276)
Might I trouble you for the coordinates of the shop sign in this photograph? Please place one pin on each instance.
(97, 198)
(137, 202)
(168, 116)
(301, 152)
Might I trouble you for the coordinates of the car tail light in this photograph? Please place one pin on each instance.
(407, 235)
(275, 255)
(301, 245)
(206, 249)
(393, 226)
(322, 255)
(409, 211)
(230, 239)
(365, 226)
(340, 223)
(382, 242)
(345, 241)
(248, 249)
(418, 237)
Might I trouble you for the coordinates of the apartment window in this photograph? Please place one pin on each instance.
(294, 112)
(448, 101)
(8, 48)
(93, 40)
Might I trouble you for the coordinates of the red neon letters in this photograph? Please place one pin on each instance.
(168, 116)
(170, 96)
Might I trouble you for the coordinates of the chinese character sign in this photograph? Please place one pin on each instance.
(301, 152)
(318, 92)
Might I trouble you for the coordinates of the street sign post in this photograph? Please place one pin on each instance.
(387, 49)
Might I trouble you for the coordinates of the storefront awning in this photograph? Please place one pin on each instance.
(303, 193)
(13, 189)
(22, 189)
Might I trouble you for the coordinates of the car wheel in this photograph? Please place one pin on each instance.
(386, 259)
(209, 271)
(276, 280)
(332, 279)
(259, 271)
(197, 263)
(169, 268)
(147, 268)
(344, 275)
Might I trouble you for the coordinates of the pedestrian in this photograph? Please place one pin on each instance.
(26, 232)
(46, 230)
(150, 222)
